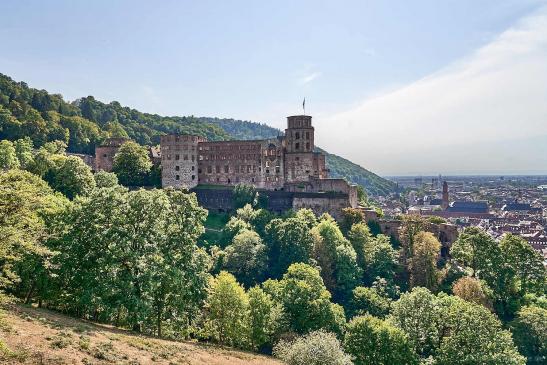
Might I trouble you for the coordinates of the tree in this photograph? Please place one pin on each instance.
(73, 177)
(23, 149)
(411, 225)
(526, 262)
(8, 157)
(231, 229)
(372, 341)
(131, 164)
(423, 263)
(369, 301)
(288, 241)
(381, 259)
(316, 348)
(473, 290)
(244, 194)
(246, 258)
(105, 179)
(263, 317)
(473, 335)
(360, 237)
(27, 203)
(350, 216)
(337, 259)
(227, 308)
(418, 314)
(134, 253)
(530, 333)
(305, 300)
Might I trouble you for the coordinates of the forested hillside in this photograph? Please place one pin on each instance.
(84, 123)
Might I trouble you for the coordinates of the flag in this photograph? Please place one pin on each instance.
(304, 105)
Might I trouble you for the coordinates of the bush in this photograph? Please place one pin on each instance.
(316, 348)
(368, 300)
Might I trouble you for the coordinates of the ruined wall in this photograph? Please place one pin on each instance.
(320, 203)
(104, 154)
(179, 160)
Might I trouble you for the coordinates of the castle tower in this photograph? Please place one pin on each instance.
(301, 163)
(445, 195)
(179, 160)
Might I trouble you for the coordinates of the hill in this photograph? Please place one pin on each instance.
(38, 336)
(85, 122)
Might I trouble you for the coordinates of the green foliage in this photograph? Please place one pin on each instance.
(27, 204)
(369, 301)
(381, 259)
(105, 179)
(264, 317)
(131, 258)
(246, 258)
(372, 341)
(350, 216)
(337, 259)
(360, 237)
(306, 301)
(473, 290)
(288, 241)
(227, 308)
(243, 195)
(72, 177)
(131, 164)
(530, 333)
(316, 348)
(23, 150)
(233, 228)
(423, 263)
(8, 156)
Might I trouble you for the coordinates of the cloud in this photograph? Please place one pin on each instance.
(309, 78)
(496, 95)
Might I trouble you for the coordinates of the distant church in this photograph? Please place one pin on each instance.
(285, 169)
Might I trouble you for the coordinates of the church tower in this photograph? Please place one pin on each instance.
(445, 196)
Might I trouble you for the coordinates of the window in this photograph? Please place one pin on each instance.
(177, 177)
(307, 145)
(297, 135)
(177, 168)
(297, 146)
(185, 157)
(193, 177)
(217, 169)
(226, 169)
(177, 157)
(192, 158)
(168, 157)
(307, 135)
(199, 171)
(209, 169)
(193, 168)
(105, 155)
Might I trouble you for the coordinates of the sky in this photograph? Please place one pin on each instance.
(399, 87)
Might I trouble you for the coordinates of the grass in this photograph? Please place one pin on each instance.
(213, 227)
(38, 336)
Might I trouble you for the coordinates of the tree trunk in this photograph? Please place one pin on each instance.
(30, 291)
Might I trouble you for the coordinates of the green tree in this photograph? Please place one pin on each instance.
(23, 149)
(530, 333)
(381, 259)
(227, 308)
(244, 194)
(369, 301)
(315, 348)
(131, 164)
(337, 259)
(264, 316)
(351, 216)
(418, 314)
(105, 179)
(8, 156)
(360, 237)
(288, 241)
(73, 177)
(473, 335)
(27, 203)
(423, 262)
(234, 227)
(372, 341)
(246, 258)
(305, 300)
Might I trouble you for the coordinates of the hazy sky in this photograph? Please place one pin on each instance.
(400, 87)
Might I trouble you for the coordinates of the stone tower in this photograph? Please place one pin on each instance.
(299, 144)
(445, 195)
(179, 160)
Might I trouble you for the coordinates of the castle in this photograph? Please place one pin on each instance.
(285, 169)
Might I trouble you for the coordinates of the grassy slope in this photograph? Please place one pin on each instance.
(38, 336)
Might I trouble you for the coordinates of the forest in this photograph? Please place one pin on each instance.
(86, 122)
(303, 288)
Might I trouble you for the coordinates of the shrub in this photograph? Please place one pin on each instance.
(316, 348)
